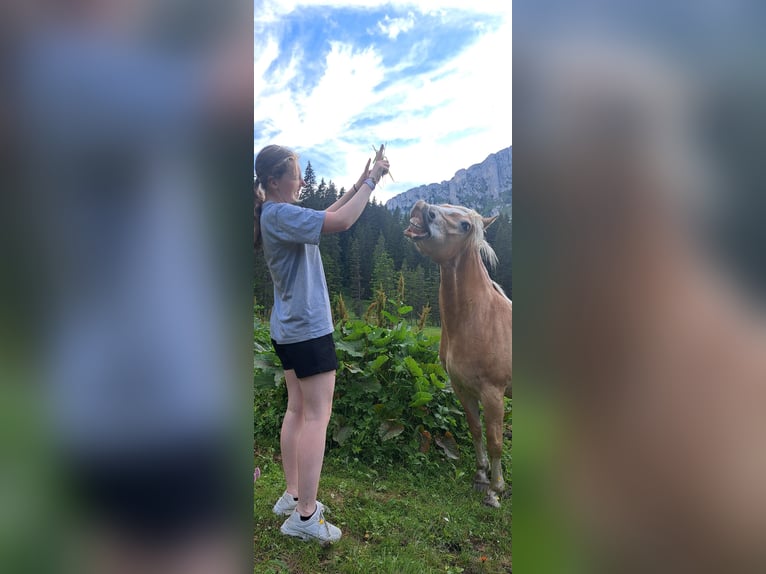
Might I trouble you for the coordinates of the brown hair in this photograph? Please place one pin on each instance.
(271, 161)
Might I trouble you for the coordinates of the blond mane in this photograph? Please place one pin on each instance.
(478, 240)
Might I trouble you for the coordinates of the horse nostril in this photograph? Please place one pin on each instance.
(431, 215)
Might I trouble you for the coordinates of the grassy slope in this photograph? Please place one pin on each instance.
(393, 522)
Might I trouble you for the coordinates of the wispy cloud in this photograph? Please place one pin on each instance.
(434, 84)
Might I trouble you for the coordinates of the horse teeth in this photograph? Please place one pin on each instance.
(415, 224)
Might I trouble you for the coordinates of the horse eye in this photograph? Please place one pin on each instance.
(465, 225)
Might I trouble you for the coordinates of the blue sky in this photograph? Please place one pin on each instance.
(432, 80)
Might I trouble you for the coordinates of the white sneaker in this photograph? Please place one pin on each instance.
(315, 528)
(285, 505)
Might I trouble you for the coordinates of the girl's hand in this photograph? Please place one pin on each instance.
(365, 175)
(379, 170)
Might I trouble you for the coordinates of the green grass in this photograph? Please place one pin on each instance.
(393, 521)
(432, 331)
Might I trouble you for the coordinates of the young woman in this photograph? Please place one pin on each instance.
(301, 323)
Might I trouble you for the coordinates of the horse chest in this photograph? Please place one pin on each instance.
(473, 358)
(465, 357)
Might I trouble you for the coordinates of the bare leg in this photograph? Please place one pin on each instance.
(317, 393)
(292, 426)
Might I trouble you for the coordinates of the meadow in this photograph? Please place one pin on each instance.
(399, 464)
(394, 521)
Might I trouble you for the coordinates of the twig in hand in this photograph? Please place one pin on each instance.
(380, 154)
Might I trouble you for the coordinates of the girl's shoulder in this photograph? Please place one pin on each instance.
(287, 211)
(278, 207)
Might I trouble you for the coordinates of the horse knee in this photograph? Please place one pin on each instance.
(494, 443)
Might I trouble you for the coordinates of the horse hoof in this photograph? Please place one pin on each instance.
(492, 500)
(480, 485)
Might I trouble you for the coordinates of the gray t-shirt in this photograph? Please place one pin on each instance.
(290, 244)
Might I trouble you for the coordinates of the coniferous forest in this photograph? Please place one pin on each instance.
(374, 253)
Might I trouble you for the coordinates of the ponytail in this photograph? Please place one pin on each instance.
(271, 161)
(258, 199)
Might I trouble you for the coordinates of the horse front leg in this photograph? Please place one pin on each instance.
(471, 407)
(493, 419)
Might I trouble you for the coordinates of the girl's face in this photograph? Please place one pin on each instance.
(287, 188)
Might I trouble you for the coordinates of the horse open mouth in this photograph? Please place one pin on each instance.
(418, 229)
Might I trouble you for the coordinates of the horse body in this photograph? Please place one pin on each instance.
(475, 347)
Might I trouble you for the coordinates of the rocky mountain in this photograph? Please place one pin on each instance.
(485, 187)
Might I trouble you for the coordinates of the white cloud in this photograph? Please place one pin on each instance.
(272, 102)
(392, 27)
(469, 94)
(266, 51)
(345, 91)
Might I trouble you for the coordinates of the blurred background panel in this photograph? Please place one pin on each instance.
(640, 279)
(125, 305)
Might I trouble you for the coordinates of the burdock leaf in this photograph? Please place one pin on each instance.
(448, 445)
(390, 429)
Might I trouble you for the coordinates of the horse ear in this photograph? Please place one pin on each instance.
(488, 221)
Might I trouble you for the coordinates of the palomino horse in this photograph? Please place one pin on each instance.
(655, 355)
(476, 326)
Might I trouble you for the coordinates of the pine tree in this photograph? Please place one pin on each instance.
(310, 178)
(354, 272)
(331, 196)
(383, 269)
(329, 248)
(321, 193)
(415, 281)
(500, 236)
(263, 288)
(431, 289)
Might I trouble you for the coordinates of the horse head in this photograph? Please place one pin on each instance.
(443, 232)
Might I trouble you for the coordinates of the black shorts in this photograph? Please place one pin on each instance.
(308, 358)
(159, 498)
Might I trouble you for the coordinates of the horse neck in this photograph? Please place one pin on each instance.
(464, 282)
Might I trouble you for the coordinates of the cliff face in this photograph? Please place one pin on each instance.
(485, 187)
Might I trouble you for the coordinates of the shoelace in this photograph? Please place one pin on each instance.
(323, 522)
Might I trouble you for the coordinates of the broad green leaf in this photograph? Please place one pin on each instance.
(390, 429)
(369, 384)
(438, 383)
(352, 368)
(421, 398)
(413, 367)
(264, 379)
(378, 362)
(340, 435)
(448, 445)
(404, 309)
(382, 341)
(349, 348)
